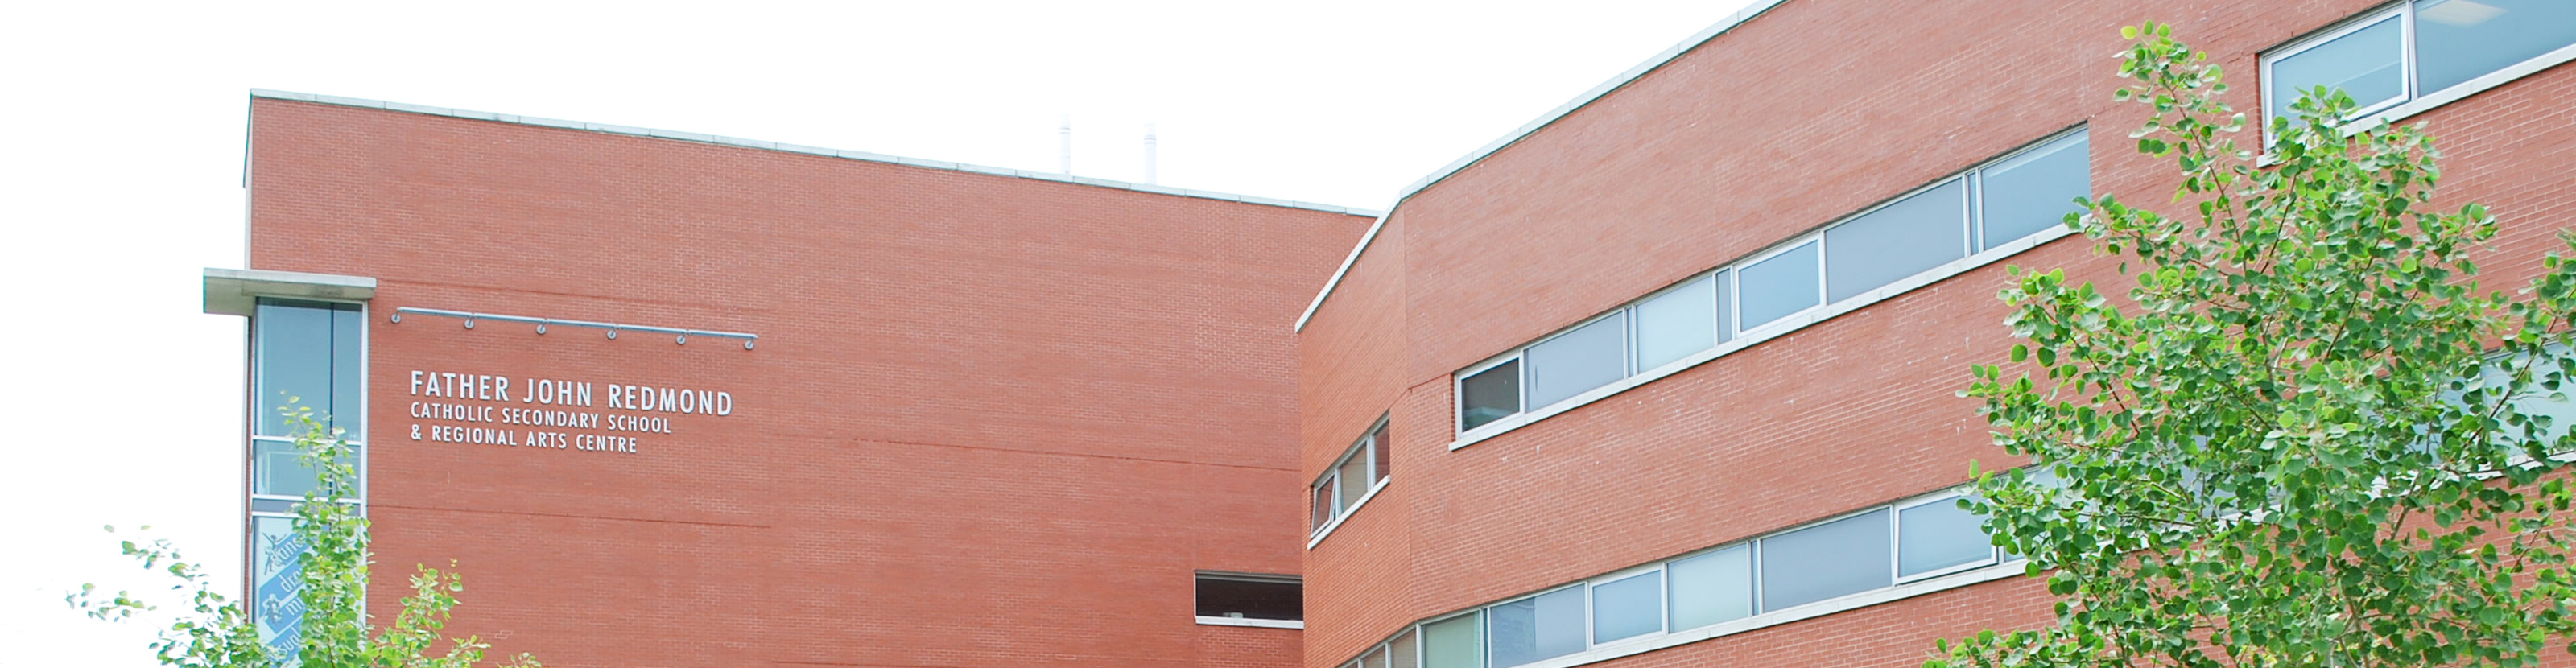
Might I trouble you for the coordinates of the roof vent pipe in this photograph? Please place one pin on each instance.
(1149, 154)
(1064, 144)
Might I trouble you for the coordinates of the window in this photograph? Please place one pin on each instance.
(2028, 193)
(1456, 642)
(2407, 52)
(1713, 587)
(1351, 478)
(1937, 537)
(1238, 596)
(1845, 556)
(1489, 395)
(1904, 238)
(1400, 652)
(313, 353)
(2021, 195)
(1628, 607)
(1590, 356)
(1545, 626)
(1679, 322)
(1780, 285)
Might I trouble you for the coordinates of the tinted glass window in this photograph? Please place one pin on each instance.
(1898, 240)
(1588, 357)
(1628, 607)
(2035, 190)
(1938, 535)
(1324, 502)
(1844, 556)
(1251, 598)
(1712, 588)
(1675, 324)
(1382, 453)
(1539, 627)
(2364, 63)
(1376, 658)
(1400, 652)
(1490, 395)
(2458, 40)
(1355, 478)
(1780, 285)
(1456, 642)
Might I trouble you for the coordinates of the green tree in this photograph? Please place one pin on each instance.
(218, 633)
(2307, 437)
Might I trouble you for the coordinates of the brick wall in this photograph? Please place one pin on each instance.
(1793, 119)
(990, 421)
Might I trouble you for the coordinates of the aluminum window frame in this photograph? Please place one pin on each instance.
(1458, 391)
(357, 438)
(1486, 625)
(1663, 605)
(1717, 326)
(1197, 577)
(1627, 354)
(2403, 12)
(1896, 541)
(1777, 325)
(1969, 206)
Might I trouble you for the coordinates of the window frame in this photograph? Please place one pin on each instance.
(1780, 324)
(2402, 11)
(357, 438)
(1486, 625)
(1627, 355)
(1197, 577)
(1896, 541)
(1663, 605)
(1458, 392)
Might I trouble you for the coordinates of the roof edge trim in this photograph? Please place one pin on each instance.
(737, 142)
(1652, 63)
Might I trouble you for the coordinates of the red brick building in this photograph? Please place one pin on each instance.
(682, 400)
(1666, 378)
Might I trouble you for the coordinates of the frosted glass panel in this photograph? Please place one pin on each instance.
(1898, 240)
(1844, 556)
(1712, 588)
(1628, 607)
(1675, 324)
(1588, 357)
(2035, 190)
(1456, 642)
(1938, 535)
(1779, 286)
(2459, 40)
(2364, 63)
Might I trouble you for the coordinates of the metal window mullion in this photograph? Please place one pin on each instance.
(2406, 70)
(1973, 209)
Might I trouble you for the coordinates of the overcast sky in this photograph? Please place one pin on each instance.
(123, 172)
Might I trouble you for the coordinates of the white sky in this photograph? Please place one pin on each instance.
(122, 178)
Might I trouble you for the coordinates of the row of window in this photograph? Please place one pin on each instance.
(1874, 549)
(1350, 478)
(2414, 49)
(2012, 198)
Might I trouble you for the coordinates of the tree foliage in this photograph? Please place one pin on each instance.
(217, 633)
(2308, 436)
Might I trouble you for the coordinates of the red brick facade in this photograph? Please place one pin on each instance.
(990, 421)
(1805, 113)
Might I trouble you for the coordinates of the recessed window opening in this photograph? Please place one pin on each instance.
(1251, 596)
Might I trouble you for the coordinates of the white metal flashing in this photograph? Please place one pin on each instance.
(1652, 63)
(236, 291)
(792, 148)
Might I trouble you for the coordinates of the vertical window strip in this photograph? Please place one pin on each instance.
(1850, 261)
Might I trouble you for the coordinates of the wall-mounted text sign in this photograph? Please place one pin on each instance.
(484, 409)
